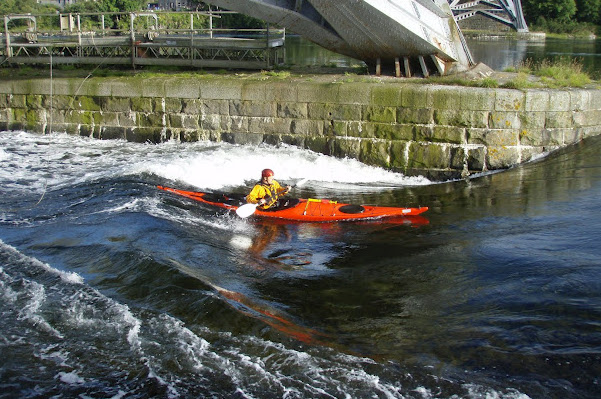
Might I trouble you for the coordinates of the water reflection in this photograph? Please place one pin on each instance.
(499, 54)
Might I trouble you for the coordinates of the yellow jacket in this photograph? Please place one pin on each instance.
(269, 192)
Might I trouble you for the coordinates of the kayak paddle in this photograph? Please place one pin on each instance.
(246, 210)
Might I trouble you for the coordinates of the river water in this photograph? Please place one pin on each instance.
(110, 288)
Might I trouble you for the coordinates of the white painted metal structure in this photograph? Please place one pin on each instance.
(508, 12)
(422, 36)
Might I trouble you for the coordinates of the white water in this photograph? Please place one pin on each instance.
(36, 162)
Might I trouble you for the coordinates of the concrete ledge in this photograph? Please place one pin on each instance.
(434, 130)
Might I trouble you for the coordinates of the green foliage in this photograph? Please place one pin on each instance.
(559, 10)
(564, 72)
(588, 10)
(238, 21)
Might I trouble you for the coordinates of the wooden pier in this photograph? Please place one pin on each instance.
(146, 42)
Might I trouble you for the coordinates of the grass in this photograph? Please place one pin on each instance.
(563, 72)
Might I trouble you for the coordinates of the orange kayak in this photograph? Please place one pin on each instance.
(302, 210)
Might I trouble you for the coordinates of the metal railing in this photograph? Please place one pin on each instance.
(145, 40)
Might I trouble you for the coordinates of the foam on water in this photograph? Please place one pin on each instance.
(114, 334)
(34, 162)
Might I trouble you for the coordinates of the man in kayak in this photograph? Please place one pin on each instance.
(267, 191)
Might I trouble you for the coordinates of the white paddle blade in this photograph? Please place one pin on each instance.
(246, 210)
(300, 182)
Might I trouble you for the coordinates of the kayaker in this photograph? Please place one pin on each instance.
(267, 191)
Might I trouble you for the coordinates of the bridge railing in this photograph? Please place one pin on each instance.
(148, 38)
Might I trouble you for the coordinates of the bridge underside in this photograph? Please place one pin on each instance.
(417, 36)
(507, 12)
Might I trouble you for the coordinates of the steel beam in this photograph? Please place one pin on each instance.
(508, 12)
(368, 30)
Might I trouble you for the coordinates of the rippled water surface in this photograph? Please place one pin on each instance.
(112, 288)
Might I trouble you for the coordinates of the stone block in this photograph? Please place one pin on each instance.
(85, 103)
(355, 93)
(292, 110)
(318, 93)
(346, 148)
(532, 121)
(398, 155)
(504, 120)
(461, 118)
(386, 95)
(323, 111)
(17, 101)
(336, 128)
(154, 88)
(113, 133)
(389, 131)
(285, 92)
(415, 97)
(33, 101)
(141, 104)
(240, 124)
(422, 116)
(210, 122)
(215, 107)
(305, 127)
(379, 114)
(221, 90)
(571, 136)
(182, 88)
(114, 104)
(129, 119)
(580, 100)
(444, 97)
(445, 134)
(6, 87)
(552, 137)
(586, 118)
(154, 120)
(476, 158)
(502, 157)
(173, 105)
(509, 100)
(242, 138)
(361, 129)
(376, 153)
(556, 120)
(528, 153)
(493, 137)
(126, 88)
(58, 102)
(319, 144)
(477, 99)
(252, 108)
(537, 101)
(108, 118)
(95, 87)
(457, 158)
(253, 91)
(428, 156)
(192, 106)
(298, 141)
(144, 135)
(559, 100)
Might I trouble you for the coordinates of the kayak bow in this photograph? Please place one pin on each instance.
(302, 210)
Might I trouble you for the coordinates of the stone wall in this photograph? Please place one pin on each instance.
(413, 128)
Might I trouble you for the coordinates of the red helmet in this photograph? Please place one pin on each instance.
(267, 173)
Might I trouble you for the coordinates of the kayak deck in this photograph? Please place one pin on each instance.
(308, 210)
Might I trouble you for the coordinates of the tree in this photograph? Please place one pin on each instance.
(559, 10)
(588, 10)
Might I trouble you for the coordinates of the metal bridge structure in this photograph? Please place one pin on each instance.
(507, 12)
(143, 43)
(411, 37)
